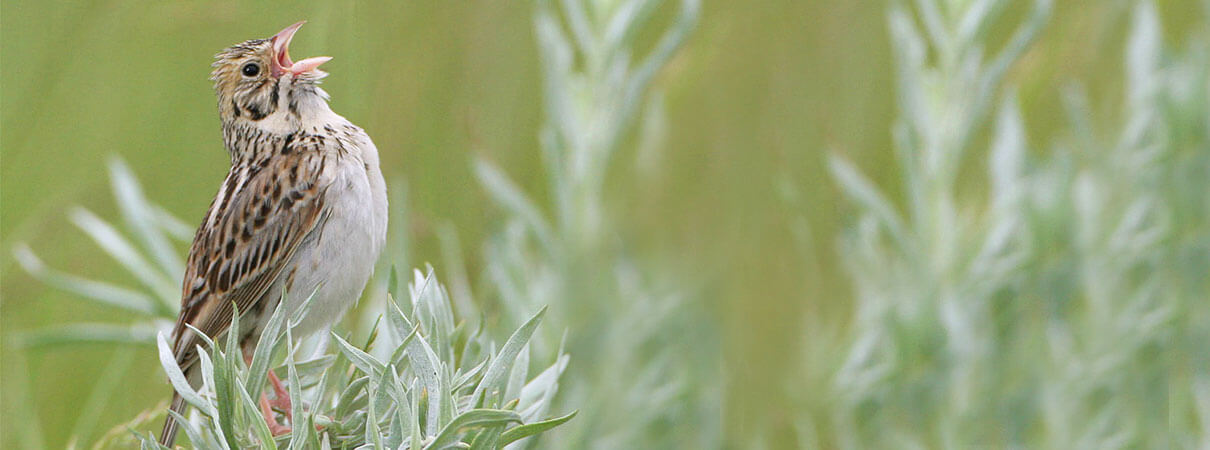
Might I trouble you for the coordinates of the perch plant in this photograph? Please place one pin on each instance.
(443, 386)
(428, 382)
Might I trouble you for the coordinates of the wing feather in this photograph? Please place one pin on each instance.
(245, 244)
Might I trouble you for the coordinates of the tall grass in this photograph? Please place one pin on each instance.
(650, 373)
(1061, 310)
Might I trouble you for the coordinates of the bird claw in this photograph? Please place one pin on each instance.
(281, 397)
(275, 428)
(281, 403)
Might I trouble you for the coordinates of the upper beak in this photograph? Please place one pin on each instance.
(281, 54)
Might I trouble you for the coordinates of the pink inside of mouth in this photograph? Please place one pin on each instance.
(281, 49)
(283, 57)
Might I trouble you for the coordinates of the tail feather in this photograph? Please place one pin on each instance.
(168, 435)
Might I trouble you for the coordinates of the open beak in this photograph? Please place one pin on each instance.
(281, 54)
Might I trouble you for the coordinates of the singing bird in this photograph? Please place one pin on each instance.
(303, 210)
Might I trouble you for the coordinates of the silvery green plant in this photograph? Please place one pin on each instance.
(429, 382)
(149, 255)
(443, 386)
(651, 380)
(1065, 308)
(922, 358)
(1123, 220)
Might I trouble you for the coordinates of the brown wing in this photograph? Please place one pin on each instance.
(263, 212)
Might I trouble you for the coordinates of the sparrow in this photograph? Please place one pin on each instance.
(302, 212)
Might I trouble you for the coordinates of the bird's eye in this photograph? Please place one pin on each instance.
(251, 69)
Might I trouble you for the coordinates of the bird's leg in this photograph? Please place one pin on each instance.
(275, 428)
(266, 407)
(281, 399)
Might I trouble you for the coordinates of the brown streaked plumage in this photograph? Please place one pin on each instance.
(302, 210)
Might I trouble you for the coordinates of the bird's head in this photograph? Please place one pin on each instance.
(256, 80)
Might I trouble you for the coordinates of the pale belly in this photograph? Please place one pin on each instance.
(335, 262)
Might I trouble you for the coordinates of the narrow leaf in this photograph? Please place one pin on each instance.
(493, 379)
(531, 429)
(100, 292)
(473, 419)
(364, 361)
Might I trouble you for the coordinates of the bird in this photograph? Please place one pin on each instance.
(300, 217)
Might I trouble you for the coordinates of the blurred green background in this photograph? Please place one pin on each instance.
(762, 90)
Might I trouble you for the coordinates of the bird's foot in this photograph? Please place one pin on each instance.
(281, 397)
(275, 428)
(280, 403)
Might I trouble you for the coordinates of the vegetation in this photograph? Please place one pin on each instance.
(1058, 310)
(651, 379)
(657, 224)
(430, 382)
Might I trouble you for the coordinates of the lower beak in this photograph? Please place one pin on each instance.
(281, 54)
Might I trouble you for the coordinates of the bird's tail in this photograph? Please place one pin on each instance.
(168, 435)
